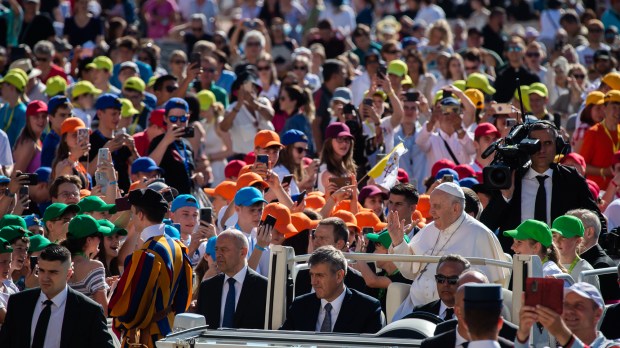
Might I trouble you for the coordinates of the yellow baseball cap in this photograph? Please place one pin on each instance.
(612, 96)
(612, 80)
(460, 84)
(84, 87)
(397, 67)
(476, 97)
(135, 83)
(538, 88)
(152, 80)
(55, 85)
(377, 92)
(206, 98)
(525, 93)
(481, 82)
(104, 63)
(595, 98)
(127, 109)
(15, 78)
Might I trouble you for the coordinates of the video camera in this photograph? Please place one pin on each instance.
(511, 153)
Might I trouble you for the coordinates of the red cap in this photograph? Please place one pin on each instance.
(486, 128)
(157, 117)
(232, 168)
(250, 158)
(465, 171)
(441, 164)
(594, 189)
(577, 158)
(35, 107)
(615, 159)
(402, 176)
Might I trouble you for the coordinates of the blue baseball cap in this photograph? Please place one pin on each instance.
(184, 201)
(468, 182)
(108, 101)
(248, 196)
(176, 103)
(32, 220)
(447, 171)
(44, 173)
(410, 40)
(170, 230)
(55, 102)
(4, 179)
(450, 101)
(210, 248)
(144, 165)
(293, 136)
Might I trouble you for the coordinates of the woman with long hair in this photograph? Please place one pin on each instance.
(423, 81)
(28, 145)
(70, 150)
(593, 113)
(178, 64)
(454, 71)
(336, 156)
(112, 253)
(83, 239)
(439, 40)
(267, 77)
(298, 105)
(291, 162)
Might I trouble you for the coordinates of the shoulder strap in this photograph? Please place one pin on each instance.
(449, 149)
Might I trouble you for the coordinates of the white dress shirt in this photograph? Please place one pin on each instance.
(433, 145)
(239, 277)
(459, 339)
(484, 344)
(54, 326)
(152, 231)
(336, 305)
(529, 189)
(442, 311)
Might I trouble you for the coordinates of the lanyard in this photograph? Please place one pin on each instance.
(134, 124)
(10, 121)
(573, 264)
(615, 144)
(184, 156)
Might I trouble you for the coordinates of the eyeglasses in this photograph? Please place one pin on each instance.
(579, 76)
(440, 279)
(342, 140)
(514, 49)
(595, 30)
(180, 61)
(263, 68)
(393, 52)
(300, 150)
(300, 67)
(67, 194)
(532, 54)
(42, 59)
(175, 119)
(171, 89)
(252, 43)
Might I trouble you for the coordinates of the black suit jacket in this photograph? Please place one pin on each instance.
(448, 339)
(359, 313)
(508, 330)
(570, 191)
(609, 326)
(598, 258)
(353, 279)
(250, 310)
(431, 307)
(84, 324)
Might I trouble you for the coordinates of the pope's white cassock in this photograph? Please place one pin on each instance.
(467, 237)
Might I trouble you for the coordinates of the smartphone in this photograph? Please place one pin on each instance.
(367, 230)
(447, 178)
(412, 96)
(300, 197)
(269, 220)
(83, 135)
(368, 101)
(287, 179)
(33, 178)
(24, 192)
(188, 132)
(382, 72)
(548, 292)
(263, 159)
(249, 24)
(34, 260)
(348, 109)
(502, 108)
(206, 215)
(103, 156)
(195, 58)
(122, 204)
(511, 122)
(341, 182)
(168, 196)
(446, 94)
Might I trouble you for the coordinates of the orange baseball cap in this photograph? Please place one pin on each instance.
(84, 193)
(134, 185)
(369, 219)
(245, 169)
(348, 218)
(315, 202)
(418, 216)
(316, 193)
(72, 124)
(267, 138)
(424, 205)
(225, 189)
(249, 179)
(345, 204)
(302, 222)
(283, 218)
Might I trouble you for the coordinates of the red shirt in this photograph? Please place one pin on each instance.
(55, 70)
(142, 142)
(598, 151)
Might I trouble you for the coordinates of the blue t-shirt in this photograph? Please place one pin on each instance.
(50, 144)
(226, 80)
(13, 120)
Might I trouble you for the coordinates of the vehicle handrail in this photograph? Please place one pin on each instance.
(566, 277)
(409, 258)
(597, 272)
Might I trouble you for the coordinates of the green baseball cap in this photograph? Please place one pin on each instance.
(135, 83)
(84, 87)
(383, 238)
(95, 203)
(103, 63)
(481, 82)
(56, 210)
(5, 247)
(115, 230)
(13, 220)
(532, 229)
(84, 226)
(38, 243)
(397, 68)
(11, 233)
(15, 78)
(539, 88)
(568, 226)
(55, 85)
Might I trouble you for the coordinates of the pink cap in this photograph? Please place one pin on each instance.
(441, 164)
(594, 189)
(465, 171)
(157, 117)
(485, 128)
(402, 176)
(577, 158)
(233, 167)
(250, 158)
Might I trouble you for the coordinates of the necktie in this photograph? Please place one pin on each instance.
(326, 326)
(540, 208)
(449, 313)
(229, 306)
(41, 328)
(465, 344)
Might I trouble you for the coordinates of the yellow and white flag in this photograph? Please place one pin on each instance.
(385, 172)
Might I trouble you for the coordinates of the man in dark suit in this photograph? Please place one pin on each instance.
(332, 307)
(563, 189)
(57, 315)
(592, 252)
(611, 318)
(331, 231)
(237, 297)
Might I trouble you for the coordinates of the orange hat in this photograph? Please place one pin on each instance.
(267, 138)
(72, 124)
(225, 189)
(345, 204)
(315, 202)
(84, 193)
(348, 219)
(283, 218)
(418, 216)
(424, 205)
(134, 185)
(245, 169)
(249, 179)
(316, 193)
(302, 222)
(370, 219)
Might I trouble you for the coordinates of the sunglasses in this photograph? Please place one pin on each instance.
(532, 54)
(471, 68)
(342, 140)
(171, 89)
(263, 68)
(299, 67)
(579, 76)
(595, 30)
(42, 59)
(301, 150)
(175, 119)
(393, 52)
(439, 278)
(196, 29)
(514, 49)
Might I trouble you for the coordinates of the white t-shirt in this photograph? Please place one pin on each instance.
(6, 157)
(245, 126)
(282, 172)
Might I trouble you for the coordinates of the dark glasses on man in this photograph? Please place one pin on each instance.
(442, 279)
(174, 119)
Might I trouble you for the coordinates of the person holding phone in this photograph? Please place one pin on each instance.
(290, 162)
(267, 148)
(336, 156)
(59, 108)
(70, 152)
(184, 211)
(28, 146)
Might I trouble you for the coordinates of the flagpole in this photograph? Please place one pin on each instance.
(386, 157)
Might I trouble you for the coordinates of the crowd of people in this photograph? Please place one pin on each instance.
(152, 152)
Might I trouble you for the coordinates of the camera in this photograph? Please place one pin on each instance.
(511, 153)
